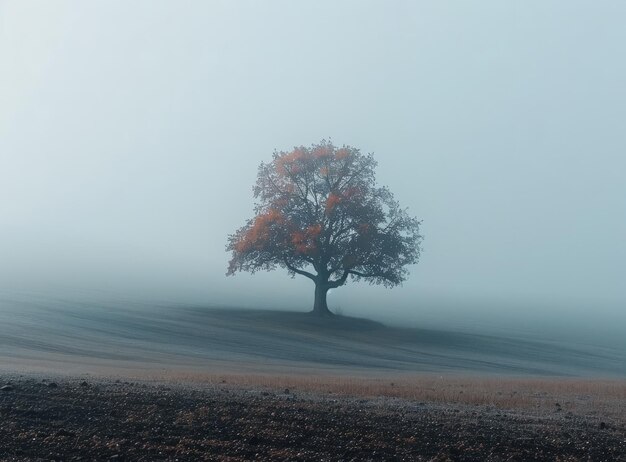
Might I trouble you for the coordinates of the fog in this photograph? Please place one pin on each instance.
(131, 133)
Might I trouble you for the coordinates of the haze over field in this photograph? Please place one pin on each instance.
(135, 339)
(131, 133)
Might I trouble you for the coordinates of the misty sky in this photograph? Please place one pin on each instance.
(131, 133)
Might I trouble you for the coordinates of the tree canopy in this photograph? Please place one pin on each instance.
(319, 213)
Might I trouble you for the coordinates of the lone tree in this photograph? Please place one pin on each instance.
(320, 214)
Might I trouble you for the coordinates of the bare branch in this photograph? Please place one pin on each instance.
(299, 271)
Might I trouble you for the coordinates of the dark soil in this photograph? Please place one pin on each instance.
(105, 420)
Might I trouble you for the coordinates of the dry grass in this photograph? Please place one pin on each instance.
(601, 398)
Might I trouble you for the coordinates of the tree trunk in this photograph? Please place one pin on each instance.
(320, 307)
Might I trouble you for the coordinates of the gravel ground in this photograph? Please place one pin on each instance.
(73, 419)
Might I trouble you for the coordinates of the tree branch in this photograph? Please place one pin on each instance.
(339, 282)
(299, 271)
(366, 275)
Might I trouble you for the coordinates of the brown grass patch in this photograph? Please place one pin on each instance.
(589, 397)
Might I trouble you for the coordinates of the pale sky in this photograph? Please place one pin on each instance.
(131, 132)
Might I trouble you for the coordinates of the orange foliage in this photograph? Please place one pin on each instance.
(314, 231)
(332, 201)
(298, 237)
(288, 163)
(305, 242)
(259, 232)
(342, 153)
(301, 243)
(272, 215)
(322, 151)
